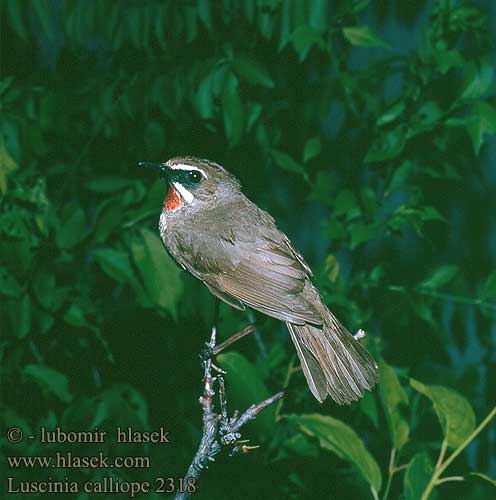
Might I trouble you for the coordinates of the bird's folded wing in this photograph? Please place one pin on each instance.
(270, 280)
(238, 252)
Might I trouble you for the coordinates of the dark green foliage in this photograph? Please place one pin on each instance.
(370, 146)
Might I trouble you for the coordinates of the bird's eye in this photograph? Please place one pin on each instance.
(194, 176)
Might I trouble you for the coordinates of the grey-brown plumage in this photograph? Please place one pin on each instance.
(222, 238)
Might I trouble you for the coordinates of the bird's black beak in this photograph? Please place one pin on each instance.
(164, 171)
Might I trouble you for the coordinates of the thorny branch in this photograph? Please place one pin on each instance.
(218, 429)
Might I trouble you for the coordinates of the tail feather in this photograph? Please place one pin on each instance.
(313, 373)
(333, 361)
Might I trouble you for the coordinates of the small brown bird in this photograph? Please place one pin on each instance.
(217, 234)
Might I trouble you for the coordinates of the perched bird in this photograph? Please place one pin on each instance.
(217, 234)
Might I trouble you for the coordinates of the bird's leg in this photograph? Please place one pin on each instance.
(206, 353)
(216, 311)
(258, 337)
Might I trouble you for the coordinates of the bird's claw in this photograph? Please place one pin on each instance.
(206, 353)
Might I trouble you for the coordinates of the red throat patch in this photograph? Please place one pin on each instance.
(172, 200)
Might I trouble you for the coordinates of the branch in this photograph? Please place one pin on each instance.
(441, 467)
(245, 331)
(449, 479)
(218, 429)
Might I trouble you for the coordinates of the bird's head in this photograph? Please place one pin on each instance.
(194, 182)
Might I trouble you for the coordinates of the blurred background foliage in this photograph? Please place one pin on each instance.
(364, 127)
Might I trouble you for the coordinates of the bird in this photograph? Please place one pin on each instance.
(213, 231)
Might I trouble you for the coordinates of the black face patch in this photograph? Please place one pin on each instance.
(188, 178)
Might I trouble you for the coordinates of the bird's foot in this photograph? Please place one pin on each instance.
(207, 353)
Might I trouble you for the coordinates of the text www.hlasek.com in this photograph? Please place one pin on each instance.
(68, 460)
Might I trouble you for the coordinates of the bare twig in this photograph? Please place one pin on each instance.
(448, 479)
(218, 429)
(245, 331)
(254, 410)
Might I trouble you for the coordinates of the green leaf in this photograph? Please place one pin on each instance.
(205, 13)
(44, 320)
(285, 162)
(363, 36)
(154, 138)
(109, 216)
(304, 38)
(346, 203)
(427, 115)
(44, 13)
(369, 201)
(490, 480)
(424, 311)
(232, 110)
(431, 213)
(361, 233)
(440, 277)
(115, 263)
(453, 411)
(252, 71)
(8, 284)
(6, 83)
(253, 114)
(483, 122)
(246, 387)
(159, 272)
(447, 59)
(417, 476)
(76, 316)
(16, 19)
(331, 268)
(190, 16)
(49, 380)
(7, 166)
(44, 288)
(335, 229)
(299, 445)
(388, 145)
(478, 78)
(313, 147)
(359, 5)
(489, 289)
(16, 254)
(204, 99)
(394, 400)
(73, 228)
(368, 406)
(391, 113)
(285, 25)
(19, 312)
(318, 15)
(342, 440)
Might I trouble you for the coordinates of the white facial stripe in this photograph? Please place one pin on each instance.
(187, 196)
(188, 167)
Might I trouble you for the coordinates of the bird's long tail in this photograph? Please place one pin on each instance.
(333, 361)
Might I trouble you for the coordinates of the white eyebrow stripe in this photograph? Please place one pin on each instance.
(188, 197)
(181, 166)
